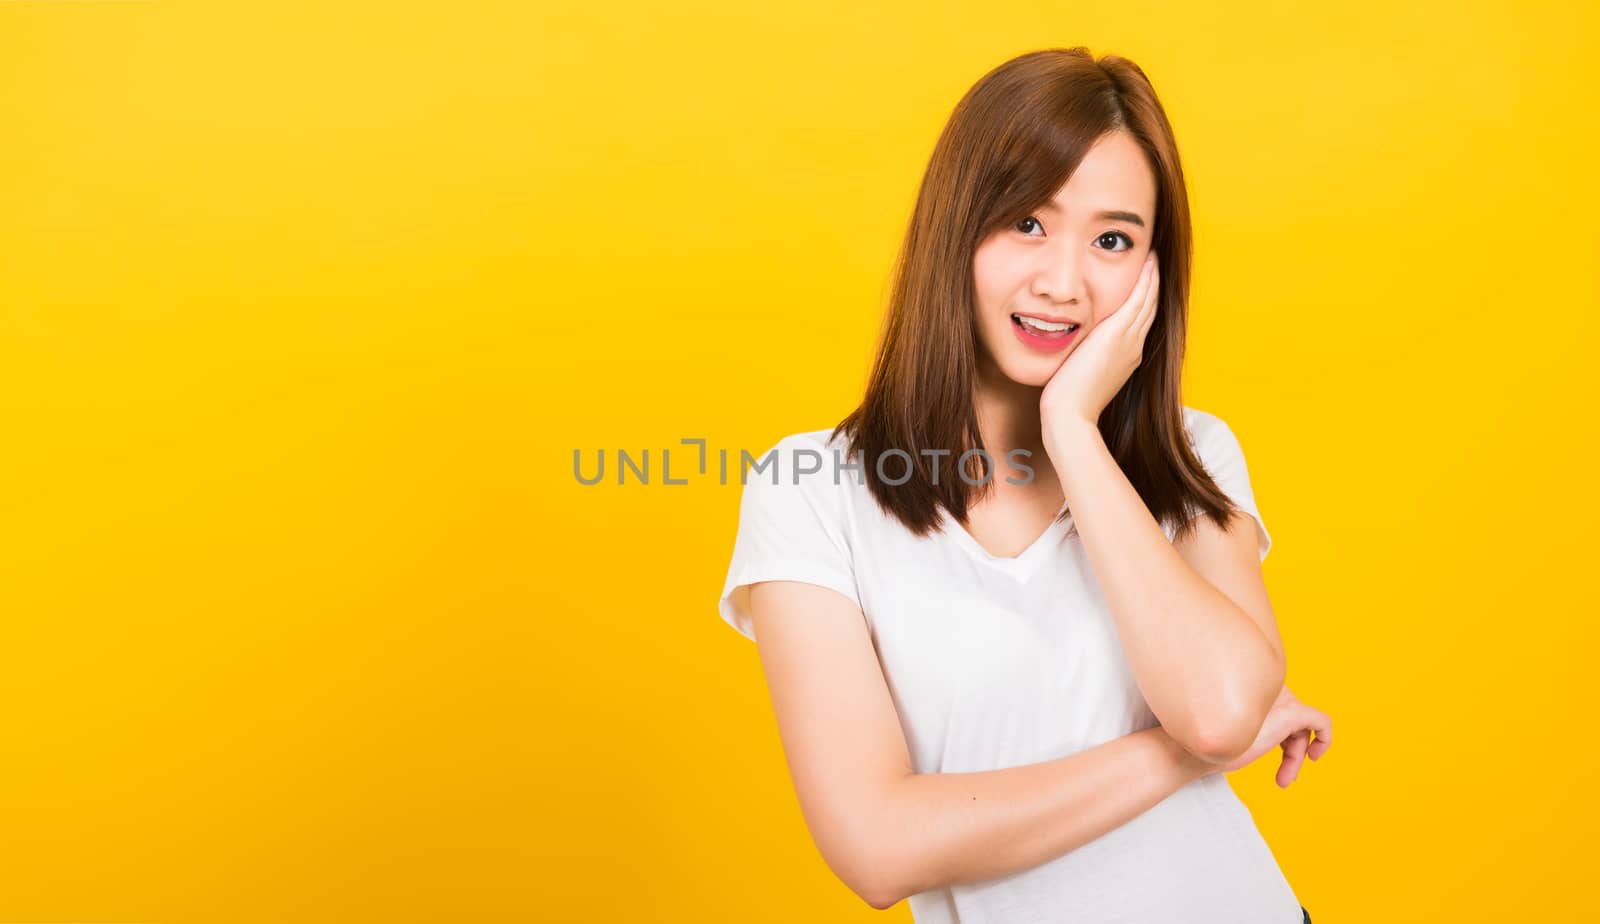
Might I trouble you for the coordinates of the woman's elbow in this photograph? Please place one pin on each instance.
(870, 861)
(1225, 740)
(882, 900)
(1220, 746)
(869, 870)
(1232, 729)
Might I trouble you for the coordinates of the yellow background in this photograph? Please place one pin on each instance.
(306, 307)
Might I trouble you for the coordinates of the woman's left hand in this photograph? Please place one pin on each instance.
(1093, 373)
(1288, 725)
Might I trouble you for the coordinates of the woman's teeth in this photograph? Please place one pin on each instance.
(1043, 327)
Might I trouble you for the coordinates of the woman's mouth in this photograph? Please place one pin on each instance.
(1044, 336)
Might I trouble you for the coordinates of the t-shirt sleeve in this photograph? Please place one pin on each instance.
(1223, 458)
(788, 531)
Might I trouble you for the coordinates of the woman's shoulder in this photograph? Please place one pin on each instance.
(797, 451)
(816, 463)
(1205, 429)
(824, 439)
(1197, 421)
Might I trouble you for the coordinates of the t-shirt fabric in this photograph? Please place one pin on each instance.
(995, 662)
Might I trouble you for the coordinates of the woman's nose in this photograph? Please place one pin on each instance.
(1059, 278)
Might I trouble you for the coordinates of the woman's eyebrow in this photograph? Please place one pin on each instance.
(1131, 218)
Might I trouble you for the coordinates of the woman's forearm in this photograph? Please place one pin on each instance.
(942, 829)
(1206, 669)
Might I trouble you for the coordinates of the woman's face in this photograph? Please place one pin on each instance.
(1073, 261)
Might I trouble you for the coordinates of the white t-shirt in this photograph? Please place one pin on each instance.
(997, 662)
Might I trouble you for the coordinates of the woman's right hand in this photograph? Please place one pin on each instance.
(1288, 725)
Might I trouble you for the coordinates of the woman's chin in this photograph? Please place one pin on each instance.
(1032, 371)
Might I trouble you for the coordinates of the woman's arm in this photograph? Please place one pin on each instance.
(1194, 620)
(888, 832)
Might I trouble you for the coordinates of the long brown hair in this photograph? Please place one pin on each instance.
(1012, 141)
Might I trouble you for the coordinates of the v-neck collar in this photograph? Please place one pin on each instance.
(1022, 563)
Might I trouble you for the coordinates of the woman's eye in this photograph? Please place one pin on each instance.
(1027, 224)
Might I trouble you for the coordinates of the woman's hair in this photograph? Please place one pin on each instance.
(1012, 141)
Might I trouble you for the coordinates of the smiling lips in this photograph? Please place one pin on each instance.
(1044, 335)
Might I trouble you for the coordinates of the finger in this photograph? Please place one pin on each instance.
(1152, 302)
(1294, 755)
(1319, 721)
(1324, 740)
(1287, 771)
(1141, 288)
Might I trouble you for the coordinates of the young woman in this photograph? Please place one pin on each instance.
(1011, 610)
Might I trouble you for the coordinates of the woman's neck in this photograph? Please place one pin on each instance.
(1008, 415)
